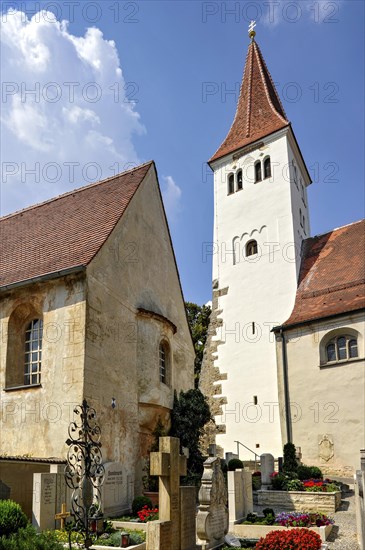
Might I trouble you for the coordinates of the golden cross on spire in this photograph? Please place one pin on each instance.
(251, 31)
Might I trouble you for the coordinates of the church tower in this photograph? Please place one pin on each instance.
(260, 220)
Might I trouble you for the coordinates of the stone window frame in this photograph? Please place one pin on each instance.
(20, 319)
(332, 339)
(33, 352)
(164, 372)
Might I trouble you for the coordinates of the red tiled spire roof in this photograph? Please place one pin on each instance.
(259, 109)
(332, 274)
(65, 232)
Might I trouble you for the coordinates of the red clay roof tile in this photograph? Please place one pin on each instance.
(332, 275)
(259, 110)
(66, 231)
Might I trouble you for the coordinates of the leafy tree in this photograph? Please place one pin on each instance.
(189, 415)
(198, 318)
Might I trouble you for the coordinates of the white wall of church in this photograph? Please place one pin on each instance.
(261, 291)
(34, 420)
(135, 269)
(326, 400)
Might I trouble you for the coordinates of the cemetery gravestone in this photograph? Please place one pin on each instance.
(175, 528)
(188, 518)
(212, 518)
(267, 468)
(44, 501)
(240, 498)
(115, 491)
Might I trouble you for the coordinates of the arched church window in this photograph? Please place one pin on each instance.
(230, 184)
(267, 168)
(33, 352)
(251, 248)
(164, 362)
(341, 348)
(239, 180)
(258, 173)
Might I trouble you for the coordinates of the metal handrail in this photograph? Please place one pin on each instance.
(251, 451)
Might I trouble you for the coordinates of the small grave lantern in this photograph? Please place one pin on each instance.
(124, 542)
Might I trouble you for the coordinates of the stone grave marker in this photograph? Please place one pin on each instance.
(116, 490)
(44, 501)
(212, 518)
(172, 531)
(240, 498)
(267, 468)
(188, 518)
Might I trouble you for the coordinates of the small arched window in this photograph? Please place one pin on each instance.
(341, 348)
(267, 168)
(239, 180)
(230, 184)
(258, 173)
(164, 361)
(33, 352)
(251, 248)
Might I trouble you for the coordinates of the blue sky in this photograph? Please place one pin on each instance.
(181, 64)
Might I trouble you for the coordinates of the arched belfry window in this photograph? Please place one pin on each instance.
(33, 352)
(230, 184)
(267, 168)
(258, 172)
(239, 180)
(164, 362)
(251, 248)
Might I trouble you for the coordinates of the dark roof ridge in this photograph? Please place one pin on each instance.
(73, 191)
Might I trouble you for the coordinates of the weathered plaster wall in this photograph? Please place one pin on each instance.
(325, 400)
(135, 269)
(34, 421)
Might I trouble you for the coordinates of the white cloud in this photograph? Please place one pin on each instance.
(66, 120)
(171, 194)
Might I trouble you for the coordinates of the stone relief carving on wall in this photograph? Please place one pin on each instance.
(326, 448)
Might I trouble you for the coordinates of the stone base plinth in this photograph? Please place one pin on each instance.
(300, 501)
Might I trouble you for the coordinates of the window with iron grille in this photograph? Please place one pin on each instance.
(33, 352)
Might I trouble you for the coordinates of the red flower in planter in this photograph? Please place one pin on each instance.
(295, 539)
(148, 514)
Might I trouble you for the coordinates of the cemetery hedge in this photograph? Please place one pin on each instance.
(28, 539)
(12, 517)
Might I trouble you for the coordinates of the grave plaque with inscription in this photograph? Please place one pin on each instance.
(44, 501)
(116, 490)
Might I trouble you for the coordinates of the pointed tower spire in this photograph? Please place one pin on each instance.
(259, 110)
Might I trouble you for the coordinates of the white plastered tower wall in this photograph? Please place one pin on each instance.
(256, 292)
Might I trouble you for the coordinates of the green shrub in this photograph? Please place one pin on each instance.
(12, 517)
(268, 512)
(235, 464)
(309, 472)
(279, 482)
(290, 463)
(139, 502)
(28, 539)
(294, 485)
